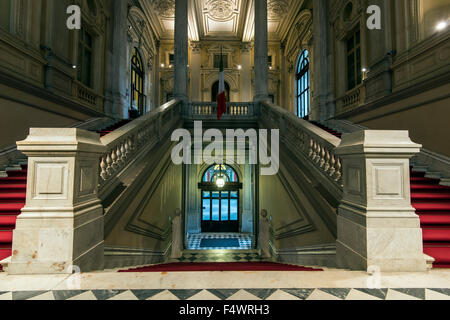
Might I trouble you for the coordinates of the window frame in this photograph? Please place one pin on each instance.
(225, 60)
(356, 53)
(84, 47)
(303, 92)
(137, 75)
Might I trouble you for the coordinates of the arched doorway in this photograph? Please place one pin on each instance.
(220, 192)
(137, 83)
(215, 91)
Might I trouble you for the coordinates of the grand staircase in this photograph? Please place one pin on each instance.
(13, 197)
(432, 203)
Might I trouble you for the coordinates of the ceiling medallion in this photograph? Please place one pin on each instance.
(165, 8)
(277, 8)
(221, 10)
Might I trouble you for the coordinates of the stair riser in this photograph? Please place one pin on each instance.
(17, 174)
(6, 237)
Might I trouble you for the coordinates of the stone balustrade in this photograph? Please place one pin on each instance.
(208, 110)
(122, 144)
(307, 139)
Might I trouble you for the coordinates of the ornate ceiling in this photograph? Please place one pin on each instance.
(221, 19)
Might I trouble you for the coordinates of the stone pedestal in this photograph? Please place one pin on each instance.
(61, 226)
(377, 226)
(264, 235)
(177, 236)
(261, 52)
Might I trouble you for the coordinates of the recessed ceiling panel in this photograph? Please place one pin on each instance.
(219, 26)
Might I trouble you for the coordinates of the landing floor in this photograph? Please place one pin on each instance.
(326, 285)
(244, 241)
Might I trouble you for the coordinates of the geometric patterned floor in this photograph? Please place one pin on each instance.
(194, 241)
(233, 294)
(219, 257)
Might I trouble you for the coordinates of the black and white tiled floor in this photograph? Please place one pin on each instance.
(233, 294)
(220, 257)
(194, 241)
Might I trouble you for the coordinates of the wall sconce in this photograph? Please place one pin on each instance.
(163, 65)
(239, 67)
(441, 25)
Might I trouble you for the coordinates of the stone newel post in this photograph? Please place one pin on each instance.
(61, 225)
(377, 226)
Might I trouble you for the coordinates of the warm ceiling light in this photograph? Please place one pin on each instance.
(364, 70)
(74, 67)
(162, 65)
(239, 67)
(441, 25)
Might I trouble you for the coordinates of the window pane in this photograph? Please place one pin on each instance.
(224, 216)
(88, 40)
(206, 194)
(206, 210)
(87, 64)
(234, 194)
(215, 210)
(351, 70)
(80, 62)
(350, 44)
(216, 194)
(358, 66)
(233, 210)
(5, 11)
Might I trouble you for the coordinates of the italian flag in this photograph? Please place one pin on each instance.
(221, 99)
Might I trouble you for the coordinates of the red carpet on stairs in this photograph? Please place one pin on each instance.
(12, 200)
(432, 204)
(13, 197)
(232, 266)
(114, 127)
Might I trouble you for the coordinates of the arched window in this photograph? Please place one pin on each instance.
(303, 85)
(216, 171)
(137, 82)
(220, 190)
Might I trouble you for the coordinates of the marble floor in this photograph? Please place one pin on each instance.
(195, 240)
(326, 285)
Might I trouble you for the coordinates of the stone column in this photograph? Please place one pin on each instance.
(181, 50)
(377, 226)
(320, 61)
(116, 73)
(156, 77)
(261, 51)
(196, 68)
(61, 225)
(246, 72)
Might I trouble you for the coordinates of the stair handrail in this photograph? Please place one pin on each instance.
(438, 165)
(314, 143)
(125, 143)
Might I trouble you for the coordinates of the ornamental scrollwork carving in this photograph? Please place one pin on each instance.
(165, 8)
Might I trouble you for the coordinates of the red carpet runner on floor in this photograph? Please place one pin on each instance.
(232, 266)
(13, 197)
(432, 204)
